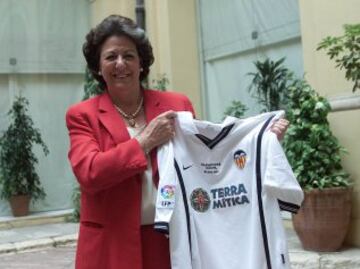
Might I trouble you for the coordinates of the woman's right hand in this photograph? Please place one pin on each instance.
(159, 131)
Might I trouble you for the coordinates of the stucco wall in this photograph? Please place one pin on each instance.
(321, 18)
(172, 29)
(103, 8)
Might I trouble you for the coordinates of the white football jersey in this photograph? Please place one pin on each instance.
(220, 193)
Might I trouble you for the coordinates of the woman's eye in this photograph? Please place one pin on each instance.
(129, 56)
(110, 57)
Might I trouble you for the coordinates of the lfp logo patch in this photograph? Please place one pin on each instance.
(240, 158)
(168, 191)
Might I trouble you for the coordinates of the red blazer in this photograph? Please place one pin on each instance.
(108, 165)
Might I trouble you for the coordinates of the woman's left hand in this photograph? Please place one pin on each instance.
(279, 128)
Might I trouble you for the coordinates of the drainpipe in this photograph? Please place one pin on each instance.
(140, 13)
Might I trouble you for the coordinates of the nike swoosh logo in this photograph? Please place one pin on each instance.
(187, 167)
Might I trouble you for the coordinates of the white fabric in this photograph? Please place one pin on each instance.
(148, 198)
(44, 36)
(227, 27)
(228, 49)
(222, 197)
(41, 59)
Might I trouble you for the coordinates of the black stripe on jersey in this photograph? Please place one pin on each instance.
(259, 191)
(286, 206)
(186, 205)
(204, 139)
(162, 227)
(211, 143)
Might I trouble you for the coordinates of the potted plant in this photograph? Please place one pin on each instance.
(19, 180)
(345, 50)
(315, 156)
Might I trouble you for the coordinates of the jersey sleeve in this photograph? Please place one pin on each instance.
(279, 179)
(165, 200)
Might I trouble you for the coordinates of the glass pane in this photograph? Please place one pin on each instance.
(41, 59)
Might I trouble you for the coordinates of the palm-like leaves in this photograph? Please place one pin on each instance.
(270, 82)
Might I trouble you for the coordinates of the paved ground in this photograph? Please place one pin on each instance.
(45, 246)
(61, 257)
(38, 232)
(52, 246)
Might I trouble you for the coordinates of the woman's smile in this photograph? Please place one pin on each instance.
(119, 63)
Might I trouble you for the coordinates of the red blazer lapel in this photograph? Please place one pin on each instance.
(111, 119)
(115, 125)
(152, 106)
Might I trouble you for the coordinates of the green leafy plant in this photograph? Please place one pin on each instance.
(270, 83)
(236, 109)
(76, 195)
(312, 150)
(161, 83)
(91, 86)
(18, 175)
(345, 50)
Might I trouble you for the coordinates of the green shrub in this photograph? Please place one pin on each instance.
(312, 150)
(91, 86)
(236, 109)
(161, 83)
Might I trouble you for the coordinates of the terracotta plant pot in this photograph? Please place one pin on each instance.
(20, 205)
(323, 219)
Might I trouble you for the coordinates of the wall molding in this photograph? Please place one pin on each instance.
(344, 102)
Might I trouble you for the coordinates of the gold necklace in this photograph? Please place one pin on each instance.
(131, 117)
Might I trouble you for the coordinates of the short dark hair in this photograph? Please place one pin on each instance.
(116, 25)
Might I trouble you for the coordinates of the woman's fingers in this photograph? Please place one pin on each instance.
(169, 122)
(280, 127)
(159, 131)
(169, 114)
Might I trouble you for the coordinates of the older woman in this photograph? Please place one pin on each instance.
(113, 140)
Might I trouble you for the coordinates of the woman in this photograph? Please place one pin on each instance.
(113, 140)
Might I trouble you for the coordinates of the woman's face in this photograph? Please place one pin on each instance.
(119, 63)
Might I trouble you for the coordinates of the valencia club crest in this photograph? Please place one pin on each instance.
(240, 158)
